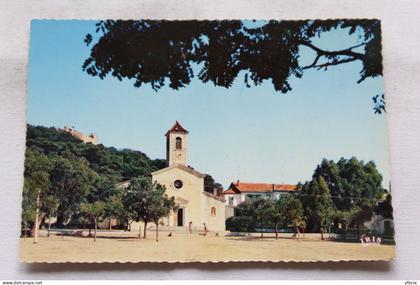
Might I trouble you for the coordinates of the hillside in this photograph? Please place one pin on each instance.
(108, 161)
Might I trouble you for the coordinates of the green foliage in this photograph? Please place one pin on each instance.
(384, 208)
(36, 182)
(318, 205)
(161, 52)
(160, 204)
(348, 192)
(114, 206)
(146, 201)
(346, 217)
(119, 164)
(263, 212)
(135, 199)
(266, 213)
(244, 218)
(353, 187)
(95, 210)
(68, 173)
(212, 186)
(240, 224)
(245, 209)
(277, 213)
(292, 211)
(72, 180)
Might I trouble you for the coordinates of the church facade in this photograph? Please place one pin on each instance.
(196, 206)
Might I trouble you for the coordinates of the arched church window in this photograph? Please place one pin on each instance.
(178, 143)
(213, 211)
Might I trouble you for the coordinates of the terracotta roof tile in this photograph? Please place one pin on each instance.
(177, 128)
(231, 191)
(241, 187)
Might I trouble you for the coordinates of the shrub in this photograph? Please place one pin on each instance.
(240, 224)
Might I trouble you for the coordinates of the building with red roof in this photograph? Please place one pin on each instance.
(239, 192)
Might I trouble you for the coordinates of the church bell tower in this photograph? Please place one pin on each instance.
(176, 145)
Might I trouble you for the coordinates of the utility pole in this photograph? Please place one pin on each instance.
(36, 220)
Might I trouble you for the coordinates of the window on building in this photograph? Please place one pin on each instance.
(213, 211)
(253, 197)
(178, 184)
(178, 143)
(231, 201)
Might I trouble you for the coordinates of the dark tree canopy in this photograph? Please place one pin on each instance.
(115, 164)
(71, 177)
(161, 52)
(355, 190)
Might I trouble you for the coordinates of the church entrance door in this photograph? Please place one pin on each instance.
(180, 217)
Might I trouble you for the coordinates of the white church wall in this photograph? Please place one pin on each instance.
(214, 214)
(191, 189)
(175, 155)
(229, 211)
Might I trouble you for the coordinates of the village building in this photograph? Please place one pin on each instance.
(380, 225)
(239, 192)
(196, 203)
(187, 185)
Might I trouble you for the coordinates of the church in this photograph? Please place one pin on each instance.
(195, 205)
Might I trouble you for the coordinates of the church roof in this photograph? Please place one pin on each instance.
(218, 198)
(182, 167)
(242, 187)
(177, 128)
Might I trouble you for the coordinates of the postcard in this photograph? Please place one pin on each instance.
(206, 141)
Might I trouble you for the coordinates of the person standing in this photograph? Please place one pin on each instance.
(205, 229)
(190, 227)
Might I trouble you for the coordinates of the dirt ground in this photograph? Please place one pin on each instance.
(125, 247)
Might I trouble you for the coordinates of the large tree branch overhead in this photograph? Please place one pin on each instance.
(156, 51)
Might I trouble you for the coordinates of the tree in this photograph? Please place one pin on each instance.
(96, 201)
(244, 218)
(211, 186)
(66, 172)
(37, 196)
(317, 203)
(156, 52)
(95, 211)
(384, 207)
(277, 216)
(355, 187)
(114, 207)
(293, 212)
(142, 200)
(71, 179)
(50, 204)
(120, 165)
(160, 205)
(263, 212)
(133, 201)
(362, 184)
(345, 218)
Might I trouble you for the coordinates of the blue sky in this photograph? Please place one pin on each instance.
(252, 134)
